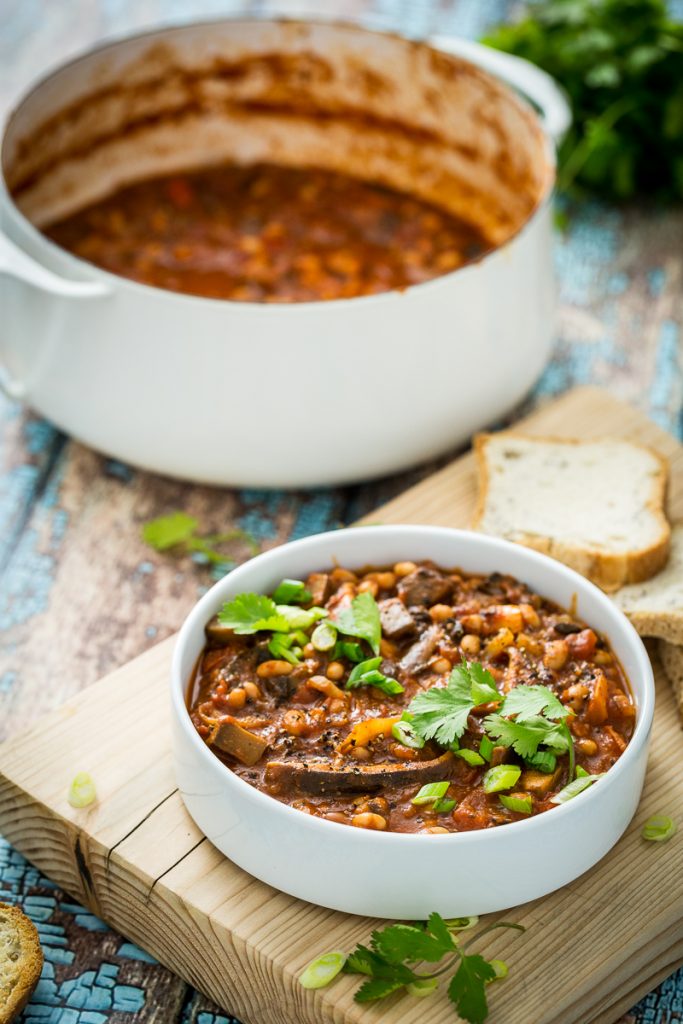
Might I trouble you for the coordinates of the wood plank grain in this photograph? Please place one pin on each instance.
(138, 860)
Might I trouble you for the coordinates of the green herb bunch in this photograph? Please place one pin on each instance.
(621, 65)
(396, 960)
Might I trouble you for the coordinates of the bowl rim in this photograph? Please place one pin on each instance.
(204, 608)
(83, 266)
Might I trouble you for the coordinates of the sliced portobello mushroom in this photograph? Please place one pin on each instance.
(322, 779)
(241, 744)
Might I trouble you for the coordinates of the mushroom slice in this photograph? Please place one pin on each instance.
(322, 779)
(241, 744)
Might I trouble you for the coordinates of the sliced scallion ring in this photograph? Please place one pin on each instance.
(323, 970)
(324, 636)
(430, 793)
(659, 828)
(82, 792)
(406, 735)
(503, 776)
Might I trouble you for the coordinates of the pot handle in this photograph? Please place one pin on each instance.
(16, 263)
(537, 85)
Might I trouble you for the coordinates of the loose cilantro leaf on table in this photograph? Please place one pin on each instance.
(178, 532)
(441, 712)
(361, 620)
(397, 960)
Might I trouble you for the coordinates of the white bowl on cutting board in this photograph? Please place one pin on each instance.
(385, 874)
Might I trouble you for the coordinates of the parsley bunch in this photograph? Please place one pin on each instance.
(390, 964)
(621, 65)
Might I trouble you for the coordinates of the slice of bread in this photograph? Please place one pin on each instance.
(656, 608)
(671, 658)
(597, 506)
(21, 961)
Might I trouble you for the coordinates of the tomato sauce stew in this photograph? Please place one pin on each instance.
(266, 233)
(410, 698)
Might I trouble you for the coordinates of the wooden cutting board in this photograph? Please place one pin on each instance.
(138, 861)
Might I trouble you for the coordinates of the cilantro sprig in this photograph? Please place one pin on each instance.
(394, 962)
(178, 533)
(531, 718)
(441, 712)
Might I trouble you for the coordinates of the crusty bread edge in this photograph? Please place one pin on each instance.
(609, 571)
(671, 657)
(32, 963)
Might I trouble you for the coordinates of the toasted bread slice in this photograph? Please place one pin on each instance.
(21, 961)
(671, 657)
(597, 506)
(656, 607)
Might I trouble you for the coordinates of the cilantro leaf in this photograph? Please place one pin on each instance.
(361, 961)
(361, 620)
(441, 712)
(467, 989)
(378, 988)
(526, 737)
(169, 531)
(399, 942)
(249, 613)
(440, 930)
(529, 701)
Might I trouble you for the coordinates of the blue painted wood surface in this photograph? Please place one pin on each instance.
(79, 592)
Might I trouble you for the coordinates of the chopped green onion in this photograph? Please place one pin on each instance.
(292, 592)
(82, 791)
(300, 637)
(461, 924)
(486, 748)
(322, 971)
(518, 803)
(503, 776)
(429, 793)
(361, 668)
(280, 647)
(581, 773)
(324, 636)
(543, 761)
(423, 987)
(348, 649)
(443, 805)
(659, 828)
(501, 968)
(299, 618)
(405, 734)
(470, 757)
(574, 788)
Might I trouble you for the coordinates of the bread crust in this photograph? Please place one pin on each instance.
(608, 570)
(30, 958)
(671, 657)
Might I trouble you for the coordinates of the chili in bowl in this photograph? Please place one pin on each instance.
(377, 719)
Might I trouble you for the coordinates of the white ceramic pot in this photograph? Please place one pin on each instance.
(311, 393)
(391, 874)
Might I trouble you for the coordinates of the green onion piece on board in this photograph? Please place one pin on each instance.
(461, 924)
(322, 971)
(429, 793)
(503, 776)
(470, 757)
(544, 761)
(423, 987)
(517, 802)
(324, 636)
(659, 829)
(406, 735)
(82, 791)
(501, 968)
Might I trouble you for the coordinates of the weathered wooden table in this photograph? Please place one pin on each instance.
(79, 592)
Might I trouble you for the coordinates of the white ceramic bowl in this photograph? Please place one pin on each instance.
(175, 383)
(390, 874)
